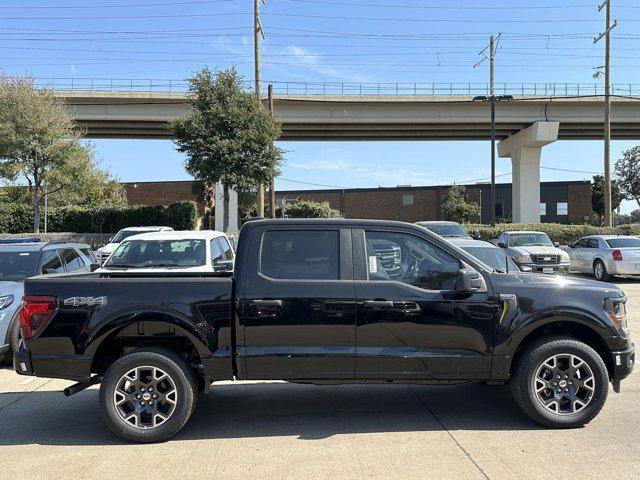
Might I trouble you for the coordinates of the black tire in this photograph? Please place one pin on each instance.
(182, 380)
(13, 335)
(600, 271)
(525, 374)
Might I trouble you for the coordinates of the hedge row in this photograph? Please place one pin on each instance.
(179, 215)
(565, 234)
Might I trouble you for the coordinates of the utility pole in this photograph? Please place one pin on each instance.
(493, 132)
(272, 190)
(607, 109)
(257, 33)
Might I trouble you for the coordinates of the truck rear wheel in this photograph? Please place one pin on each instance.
(600, 271)
(560, 383)
(148, 395)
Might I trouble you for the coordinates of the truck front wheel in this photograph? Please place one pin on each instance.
(560, 383)
(148, 395)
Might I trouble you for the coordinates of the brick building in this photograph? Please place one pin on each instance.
(560, 202)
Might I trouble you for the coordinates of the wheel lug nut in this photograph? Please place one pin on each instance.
(566, 376)
(143, 389)
(151, 389)
(566, 389)
(555, 383)
(138, 396)
(570, 383)
(150, 402)
(558, 377)
(155, 395)
(142, 402)
(559, 390)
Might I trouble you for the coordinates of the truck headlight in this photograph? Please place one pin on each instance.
(617, 312)
(523, 259)
(5, 301)
(565, 257)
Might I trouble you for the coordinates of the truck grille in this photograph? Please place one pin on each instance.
(101, 257)
(546, 259)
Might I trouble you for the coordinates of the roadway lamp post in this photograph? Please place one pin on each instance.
(493, 99)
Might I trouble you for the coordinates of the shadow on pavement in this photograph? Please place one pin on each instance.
(275, 409)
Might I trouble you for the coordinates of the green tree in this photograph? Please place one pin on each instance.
(456, 207)
(628, 173)
(228, 135)
(37, 136)
(597, 195)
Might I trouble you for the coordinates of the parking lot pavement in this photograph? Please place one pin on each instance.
(277, 430)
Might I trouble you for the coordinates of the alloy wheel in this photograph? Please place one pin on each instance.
(564, 384)
(145, 397)
(599, 270)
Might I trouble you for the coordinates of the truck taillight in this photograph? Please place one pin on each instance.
(35, 313)
(617, 255)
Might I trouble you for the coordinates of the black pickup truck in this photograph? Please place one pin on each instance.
(326, 301)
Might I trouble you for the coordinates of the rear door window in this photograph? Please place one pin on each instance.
(301, 254)
(72, 259)
(51, 262)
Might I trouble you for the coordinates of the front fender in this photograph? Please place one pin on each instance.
(511, 334)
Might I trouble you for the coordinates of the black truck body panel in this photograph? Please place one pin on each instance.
(252, 326)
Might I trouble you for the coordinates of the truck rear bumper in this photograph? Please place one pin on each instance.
(71, 367)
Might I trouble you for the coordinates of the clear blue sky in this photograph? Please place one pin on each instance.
(329, 41)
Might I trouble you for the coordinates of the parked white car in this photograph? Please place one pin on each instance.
(606, 255)
(158, 252)
(103, 252)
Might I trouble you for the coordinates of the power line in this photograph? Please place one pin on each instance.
(440, 7)
(126, 5)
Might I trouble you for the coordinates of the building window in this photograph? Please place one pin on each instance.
(407, 200)
(562, 208)
(543, 209)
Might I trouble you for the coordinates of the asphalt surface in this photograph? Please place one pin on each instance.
(273, 430)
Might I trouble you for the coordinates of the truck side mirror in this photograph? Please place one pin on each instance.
(223, 266)
(526, 269)
(469, 281)
(502, 245)
(476, 235)
(556, 244)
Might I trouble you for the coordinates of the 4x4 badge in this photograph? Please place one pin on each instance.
(86, 301)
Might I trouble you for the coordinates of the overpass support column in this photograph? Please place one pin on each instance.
(525, 148)
(219, 209)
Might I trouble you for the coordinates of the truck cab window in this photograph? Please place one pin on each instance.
(301, 254)
(216, 251)
(409, 259)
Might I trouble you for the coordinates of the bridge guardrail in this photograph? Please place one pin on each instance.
(346, 88)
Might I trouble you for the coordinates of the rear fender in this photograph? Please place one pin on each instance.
(149, 322)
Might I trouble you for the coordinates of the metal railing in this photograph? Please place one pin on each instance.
(346, 88)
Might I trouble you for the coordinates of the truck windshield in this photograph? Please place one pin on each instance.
(446, 230)
(16, 266)
(529, 240)
(629, 242)
(158, 253)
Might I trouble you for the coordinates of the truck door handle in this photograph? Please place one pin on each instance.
(267, 303)
(378, 303)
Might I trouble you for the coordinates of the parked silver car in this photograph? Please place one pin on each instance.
(606, 255)
(534, 250)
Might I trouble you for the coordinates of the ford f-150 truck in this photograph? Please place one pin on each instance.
(312, 301)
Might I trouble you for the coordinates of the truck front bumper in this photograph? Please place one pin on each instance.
(553, 268)
(623, 363)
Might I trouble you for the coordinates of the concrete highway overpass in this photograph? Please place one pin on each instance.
(366, 117)
(524, 124)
